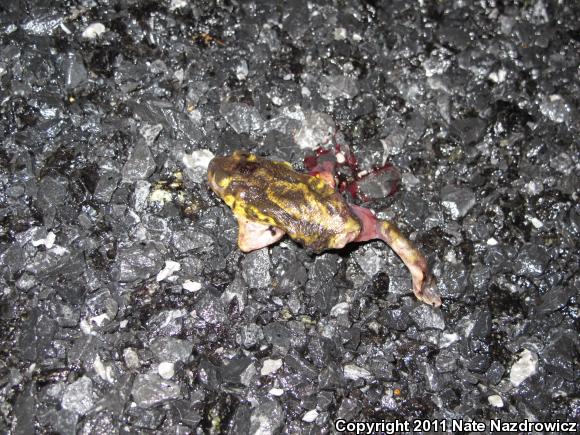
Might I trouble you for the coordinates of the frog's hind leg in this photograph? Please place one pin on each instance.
(423, 281)
(254, 235)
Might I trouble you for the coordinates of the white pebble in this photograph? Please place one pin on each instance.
(197, 159)
(310, 416)
(94, 31)
(524, 367)
(48, 241)
(131, 358)
(355, 372)
(270, 366)
(495, 400)
(340, 308)
(191, 286)
(166, 369)
(170, 268)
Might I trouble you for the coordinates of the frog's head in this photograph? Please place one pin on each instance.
(219, 174)
(222, 171)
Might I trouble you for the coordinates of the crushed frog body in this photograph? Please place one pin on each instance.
(270, 199)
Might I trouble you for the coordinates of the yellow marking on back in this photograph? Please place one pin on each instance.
(309, 204)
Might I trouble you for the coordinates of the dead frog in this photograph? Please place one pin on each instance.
(270, 199)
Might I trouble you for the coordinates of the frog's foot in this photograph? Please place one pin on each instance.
(254, 235)
(423, 281)
(424, 289)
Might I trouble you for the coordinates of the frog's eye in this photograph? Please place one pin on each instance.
(247, 167)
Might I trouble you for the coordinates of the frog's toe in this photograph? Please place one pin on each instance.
(425, 291)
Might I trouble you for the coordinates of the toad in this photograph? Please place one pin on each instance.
(270, 199)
